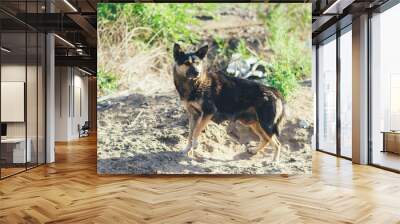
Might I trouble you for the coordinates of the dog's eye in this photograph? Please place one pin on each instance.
(188, 63)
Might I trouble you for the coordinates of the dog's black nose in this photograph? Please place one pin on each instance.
(192, 72)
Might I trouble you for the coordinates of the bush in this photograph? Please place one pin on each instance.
(282, 77)
(290, 26)
(106, 82)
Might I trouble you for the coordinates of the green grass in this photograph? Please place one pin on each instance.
(168, 23)
(243, 50)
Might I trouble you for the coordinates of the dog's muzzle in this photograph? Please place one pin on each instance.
(192, 72)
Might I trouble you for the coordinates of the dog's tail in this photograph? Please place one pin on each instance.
(271, 112)
(281, 117)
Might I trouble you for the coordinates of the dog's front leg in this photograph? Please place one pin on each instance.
(192, 122)
(199, 126)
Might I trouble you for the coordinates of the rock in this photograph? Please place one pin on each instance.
(265, 163)
(246, 69)
(207, 170)
(304, 124)
(251, 61)
(237, 66)
(260, 68)
(102, 123)
(255, 74)
(204, 17)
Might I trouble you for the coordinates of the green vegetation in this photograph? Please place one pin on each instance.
(166, 23)
(226, 53)
(281, 76)
(106, 81)
(127, 30)
(289, 26)
(243, 50)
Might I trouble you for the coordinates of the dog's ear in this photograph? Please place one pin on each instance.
(177, 51)
(201, 53)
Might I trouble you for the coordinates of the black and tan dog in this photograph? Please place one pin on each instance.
(218, 97)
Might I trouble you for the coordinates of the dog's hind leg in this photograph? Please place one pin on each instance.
(277, 144)
(264, 139)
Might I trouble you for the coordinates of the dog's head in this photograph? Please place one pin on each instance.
(190, 64)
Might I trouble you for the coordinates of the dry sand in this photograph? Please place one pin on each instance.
(144, 134)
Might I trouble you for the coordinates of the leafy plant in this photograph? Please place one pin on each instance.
(221, 44)
(223, 50)
(108, 12)
(280, 76)
(106, 82)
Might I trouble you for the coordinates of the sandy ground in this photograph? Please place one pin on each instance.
(144, 134)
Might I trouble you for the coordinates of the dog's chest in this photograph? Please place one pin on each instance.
(189, 90)
(196, 105)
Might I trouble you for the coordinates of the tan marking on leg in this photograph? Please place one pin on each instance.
(273, 139)
(264, 138)
(192, 123)
(190, 137)
(193, 116)
(200, 124)
(278, 148)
